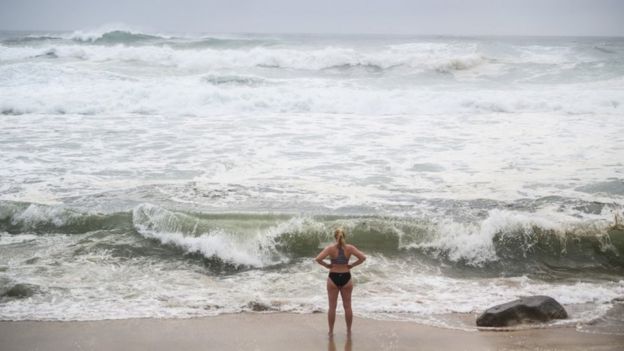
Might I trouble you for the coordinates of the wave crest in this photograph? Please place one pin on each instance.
(115, 37)
(522, 242)
(113, 34)
(511, 242)
(260, 247)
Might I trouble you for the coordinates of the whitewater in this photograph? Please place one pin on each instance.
(172, 175)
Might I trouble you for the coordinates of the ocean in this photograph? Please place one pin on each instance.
(172, 175)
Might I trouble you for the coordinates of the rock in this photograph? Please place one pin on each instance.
(524, 310)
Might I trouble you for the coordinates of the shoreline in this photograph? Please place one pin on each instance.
(283, 331)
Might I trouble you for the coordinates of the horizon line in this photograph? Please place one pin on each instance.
(334, 33)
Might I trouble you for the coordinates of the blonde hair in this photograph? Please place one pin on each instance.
(340, 235)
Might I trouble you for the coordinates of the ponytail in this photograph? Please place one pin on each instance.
(339, 234)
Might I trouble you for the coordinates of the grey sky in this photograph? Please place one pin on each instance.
(455, 17)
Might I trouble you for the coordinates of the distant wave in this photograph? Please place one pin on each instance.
(365, 67)
(116, 37)
(217, 75)
(130, 38)
(233, 92)
(113, 33)
(30, 39)
(604, 50)
(234, 80)
(219, 43)
(459, 64)
(236, 53)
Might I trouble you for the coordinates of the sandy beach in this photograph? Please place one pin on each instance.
(249, 331)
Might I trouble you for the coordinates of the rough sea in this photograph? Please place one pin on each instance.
(167, 175)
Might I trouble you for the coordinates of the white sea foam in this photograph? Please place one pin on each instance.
(115, 94)
(34, 215)
(43, 87)
(424, 77)
(329, 160)
(8, 239)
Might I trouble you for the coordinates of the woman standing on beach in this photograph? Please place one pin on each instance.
(339, 280)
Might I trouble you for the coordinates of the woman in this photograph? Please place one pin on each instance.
(339, 280)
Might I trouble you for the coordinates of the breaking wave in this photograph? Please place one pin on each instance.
(257, 56)
(226, 93)
(419, 78)
(114, 33)
(505, 241)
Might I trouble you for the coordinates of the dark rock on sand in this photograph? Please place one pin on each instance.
(524, 310)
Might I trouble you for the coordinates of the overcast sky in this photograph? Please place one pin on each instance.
(454, 17)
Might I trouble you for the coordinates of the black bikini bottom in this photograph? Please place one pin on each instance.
(340, 279)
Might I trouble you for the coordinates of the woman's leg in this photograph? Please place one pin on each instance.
(332, 295)
(345, 292)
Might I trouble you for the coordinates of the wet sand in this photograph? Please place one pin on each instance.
(249, 331)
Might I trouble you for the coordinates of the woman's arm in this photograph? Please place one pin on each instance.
(320, 259)
(357, 253)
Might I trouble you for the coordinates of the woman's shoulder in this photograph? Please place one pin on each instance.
(350, 247)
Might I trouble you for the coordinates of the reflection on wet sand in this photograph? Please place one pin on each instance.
(331, 344)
